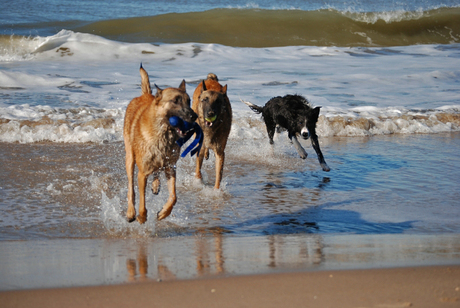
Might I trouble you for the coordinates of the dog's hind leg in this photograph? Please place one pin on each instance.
(199, 161)
(156, 184)
(271, 129)
(168, 206)
(303, 154)
(315, 144)
(131, 212)
(141, 182)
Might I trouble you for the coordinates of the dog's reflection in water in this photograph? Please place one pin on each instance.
(131, 266)
(204, 261)
(138, 269)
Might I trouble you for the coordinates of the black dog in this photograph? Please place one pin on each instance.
(294, 114)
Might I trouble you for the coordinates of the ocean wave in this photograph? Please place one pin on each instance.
(270, 28)
(251, 27)
(89, 46)
(26, 124)
(393, 122)
(17, 48)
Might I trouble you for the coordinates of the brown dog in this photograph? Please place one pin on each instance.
(150, 142)
(214, 111)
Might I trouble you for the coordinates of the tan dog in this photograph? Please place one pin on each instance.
(150, 142)
(214, 111)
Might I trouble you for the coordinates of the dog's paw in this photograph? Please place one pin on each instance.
(163, 213)
(130, 215)
(141, 219)
(130, 219)
(325, 167)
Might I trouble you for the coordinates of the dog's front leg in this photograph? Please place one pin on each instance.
(303, 154)
(315, 144)
(141, 182)
(170, 173)
(220, 159)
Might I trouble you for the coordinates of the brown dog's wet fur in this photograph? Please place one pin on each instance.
(150, 142)
(210, 100)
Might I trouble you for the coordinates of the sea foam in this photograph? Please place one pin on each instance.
(74, 87)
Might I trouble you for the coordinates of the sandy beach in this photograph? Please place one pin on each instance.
(436, 286)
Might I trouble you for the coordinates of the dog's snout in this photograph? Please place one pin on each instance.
(305, 135)
(193, 116)
(187, 114)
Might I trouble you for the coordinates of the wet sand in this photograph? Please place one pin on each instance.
(398, 287)
(61, 263)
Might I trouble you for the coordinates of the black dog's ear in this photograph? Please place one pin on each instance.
(314, 114)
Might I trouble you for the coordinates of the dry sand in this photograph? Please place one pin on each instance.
(435, 286)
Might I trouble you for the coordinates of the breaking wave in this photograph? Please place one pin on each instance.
(272, 28)
(25, 124)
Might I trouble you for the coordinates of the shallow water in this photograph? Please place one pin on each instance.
(378, 185)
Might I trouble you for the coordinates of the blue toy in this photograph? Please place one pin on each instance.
(190, 129)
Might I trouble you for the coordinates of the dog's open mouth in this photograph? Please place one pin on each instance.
(180, 132)
(210, 120)
(181, 127)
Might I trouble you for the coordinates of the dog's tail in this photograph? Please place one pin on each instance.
(255, 108)
(145, 82)
(212, 76)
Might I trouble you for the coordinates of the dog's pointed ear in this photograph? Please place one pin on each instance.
(145, 82)
(224, 90)
(203, 86)
(159, 91)
(315, 113)
(182, 85)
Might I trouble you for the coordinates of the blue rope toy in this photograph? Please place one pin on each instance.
(190, 128)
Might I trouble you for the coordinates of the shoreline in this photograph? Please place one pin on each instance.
(61, 263)
(430, 286)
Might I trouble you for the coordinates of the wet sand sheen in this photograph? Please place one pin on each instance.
(89, 262)
(407, 287)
